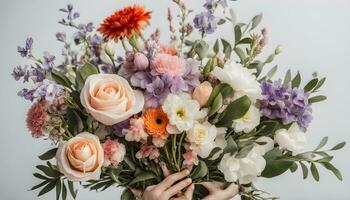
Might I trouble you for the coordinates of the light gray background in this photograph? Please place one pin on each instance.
(315, 35)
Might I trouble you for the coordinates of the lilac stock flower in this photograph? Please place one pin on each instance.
(118, 128)
(19, 72)
(205, 22)
(282, 102)
(48, 60)
(27, 94)
(157, 90)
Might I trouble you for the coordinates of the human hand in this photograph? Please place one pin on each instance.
(217, 191)
(168, 190)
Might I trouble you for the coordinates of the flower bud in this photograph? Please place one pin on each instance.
(278, 49)
(141, 62)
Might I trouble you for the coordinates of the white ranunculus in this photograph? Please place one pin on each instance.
(246, 170)
(249, 121)
(182, 111)
(241, 79)
(264, 148)
(201, 138)
(292, 139)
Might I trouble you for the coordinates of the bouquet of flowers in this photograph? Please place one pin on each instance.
(211, 108)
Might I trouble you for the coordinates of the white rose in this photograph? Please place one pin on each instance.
(246, 170)
(110, 99)
(201, 137)
(292, 139)
(249, 121)
(241, 79)
(81, 157)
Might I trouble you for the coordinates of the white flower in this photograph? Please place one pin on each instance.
(182, 111)
(264, 148)
(249, 121)
(241, 79)
(246, 170)
(107, 53)
(201, 137)
(292, 139)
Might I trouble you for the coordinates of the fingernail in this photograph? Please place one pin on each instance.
(187, 172)
(188, 180)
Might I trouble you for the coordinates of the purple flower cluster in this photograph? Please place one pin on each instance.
(283, 102)
(25, 51)
(47, 90)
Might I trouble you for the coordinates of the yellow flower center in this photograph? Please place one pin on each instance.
(181, 112)
(200, 135)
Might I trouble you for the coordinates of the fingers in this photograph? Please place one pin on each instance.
(137, 193)
(213, 186)
(166, 171)
(189, 192)
(173, 190)
(231, 191)
(171, 179)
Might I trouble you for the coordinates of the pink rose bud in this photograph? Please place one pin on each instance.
(202, 93)
(140, 61)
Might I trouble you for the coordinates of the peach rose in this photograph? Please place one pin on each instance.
(110, 99)
(202, 93)
(81, 157)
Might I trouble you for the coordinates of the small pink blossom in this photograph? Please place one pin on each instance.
(158, 142)
(190, 159)
(147, 151)
(136, 131)
(168, 64)
(114, 152)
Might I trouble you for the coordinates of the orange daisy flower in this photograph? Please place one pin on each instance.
(125, 22)
(155, 122)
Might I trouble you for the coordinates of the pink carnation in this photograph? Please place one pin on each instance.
(114, 152)
(36, 118)
(168, 64)
(147, 151)
(136, 131)
(190, 159)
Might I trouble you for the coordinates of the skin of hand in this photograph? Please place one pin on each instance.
(167, 189)
(217, 191)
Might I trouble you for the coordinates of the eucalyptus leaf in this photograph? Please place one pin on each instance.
(322, 143)
(49, 154)
(319, 84)
(287, 77)
(310, 85)
(227, 49)
(338, 146)
(271, 73)
(317, 99)
(246, 40)
(201, 49)
(314, 172)
(238, 33)
(240, 53)
(305, 170)
(293, 167)
(296, 81)
(333, 169)
(216, 47)
(256, 21)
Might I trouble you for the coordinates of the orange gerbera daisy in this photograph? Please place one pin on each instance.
(125, 22)
(155, 122)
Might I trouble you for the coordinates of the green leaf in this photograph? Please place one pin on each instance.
(49, 171)
(58, 189)
(227, 48)
(221, 21)
(240, 53)
(213, 152)
(235, 110)
(319, 84)
(293, 167)
(143, 176)
(256, 21)
(296, 81)
(71, 189)
(322, 143)
(216, 47)
(287, 77)
(74, 121)
(114, 174)
(40, 185)
(47, 188)
(201, 49)
(133, 41)
(200, 171)
(244, 151)
(216, 105)
(314, 172)
(231, 146)
(60, 78)
(268, 128)
(64, 191)
(275, 168)
(238, 33)
(305, 170)
(40, 176)
(258, 65)
(49, 154)
(310, 85)
(335, 171)
(271, 73)
(338, 146)
(318, 98)
(217, 89)
(83, 73)
(127, 195)
(246, 40)
(130, 163)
